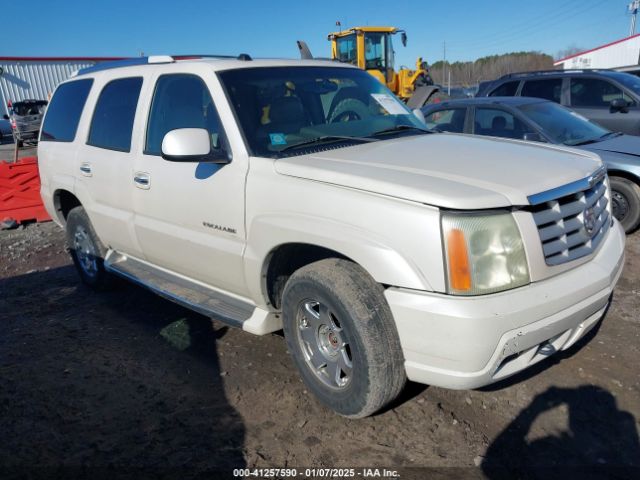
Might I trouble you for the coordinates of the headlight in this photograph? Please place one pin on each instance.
(484, 253)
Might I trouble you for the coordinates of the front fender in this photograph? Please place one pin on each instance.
(371, 251)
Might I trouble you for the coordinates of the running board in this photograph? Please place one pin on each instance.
(194, 296)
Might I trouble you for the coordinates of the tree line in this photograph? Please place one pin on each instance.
(466, 74)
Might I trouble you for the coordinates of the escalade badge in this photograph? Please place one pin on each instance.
(589, 220)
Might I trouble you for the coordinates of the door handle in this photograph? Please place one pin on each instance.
(142, 180)
(85, 169)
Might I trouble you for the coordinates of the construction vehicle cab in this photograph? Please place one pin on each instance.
(371, 48)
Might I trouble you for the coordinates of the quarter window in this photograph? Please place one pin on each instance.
(115, 112)
(507, 89)
(549, 89)
(593, 92)
(450, 120)
(181, 101)
(64, 111)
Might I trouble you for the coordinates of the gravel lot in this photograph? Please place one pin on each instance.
(127, 379)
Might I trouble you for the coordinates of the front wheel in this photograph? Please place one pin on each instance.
(342, 337)
(625, 202)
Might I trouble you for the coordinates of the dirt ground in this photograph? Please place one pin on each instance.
(125, 379)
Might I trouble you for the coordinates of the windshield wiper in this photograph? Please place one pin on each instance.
(611, 135)
(327, 139)
(400, 128)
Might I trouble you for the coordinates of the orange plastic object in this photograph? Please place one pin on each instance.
(20, 191)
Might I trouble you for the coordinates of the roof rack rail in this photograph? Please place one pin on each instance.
(552, 72)
(153, 59)
(127, 62)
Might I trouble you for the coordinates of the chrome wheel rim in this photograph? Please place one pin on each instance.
(323, 344)
(620, 205)
(85, 251)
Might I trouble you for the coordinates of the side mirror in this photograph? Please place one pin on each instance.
(403, 38)
(533, 137)
(5, 116)
(191, 145)
(419, 115)
(619, 105)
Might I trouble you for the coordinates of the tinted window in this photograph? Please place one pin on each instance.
(593, 92)
(63, 113)
(113, 117)
(449, 120)
(505, 90)
(549, 89)
(180, 101)
(498, 123)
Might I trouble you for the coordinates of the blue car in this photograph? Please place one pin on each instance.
(5, 132)
(534, 119)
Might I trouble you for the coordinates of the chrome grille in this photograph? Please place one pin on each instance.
(573, 225)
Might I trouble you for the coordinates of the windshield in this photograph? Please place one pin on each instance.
(629, 81)
(563, 125)
(295, 110)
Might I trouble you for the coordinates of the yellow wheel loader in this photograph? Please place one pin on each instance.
(371, 49)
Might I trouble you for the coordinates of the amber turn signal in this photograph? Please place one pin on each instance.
(460, 274)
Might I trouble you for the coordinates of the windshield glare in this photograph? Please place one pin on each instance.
(630, 81)
(281, 107)
(561, 124)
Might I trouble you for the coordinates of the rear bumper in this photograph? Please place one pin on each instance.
(468, 342)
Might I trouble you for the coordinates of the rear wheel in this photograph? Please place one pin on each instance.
(86, 250)
(625, 202)
(342, 337)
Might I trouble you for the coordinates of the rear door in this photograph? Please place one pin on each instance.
(189, 216)
(592, 97)
(104, 161)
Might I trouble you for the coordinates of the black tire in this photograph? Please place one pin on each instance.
(87, 251)
(625, 199)
(360, 317)
(348, 110)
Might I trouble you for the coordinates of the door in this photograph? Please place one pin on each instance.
(592, 97)
(105, 163)
(189, 216)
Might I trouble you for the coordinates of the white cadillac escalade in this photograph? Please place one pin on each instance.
(302, 195)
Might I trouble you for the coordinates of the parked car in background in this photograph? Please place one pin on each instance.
(539, 120)
(5, 131)
(610, 98)
(25, 117)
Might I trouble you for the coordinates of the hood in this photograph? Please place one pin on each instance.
(624, 144)
(447, 170)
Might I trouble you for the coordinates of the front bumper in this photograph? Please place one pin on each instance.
(468, 342)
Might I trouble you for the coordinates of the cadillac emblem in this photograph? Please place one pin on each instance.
(589, 220)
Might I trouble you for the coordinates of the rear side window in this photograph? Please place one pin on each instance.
(181, 101)
(113, 117)
(449, 120)
(593, 92)
(507, 89)
(63, 113)
(549, 89)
